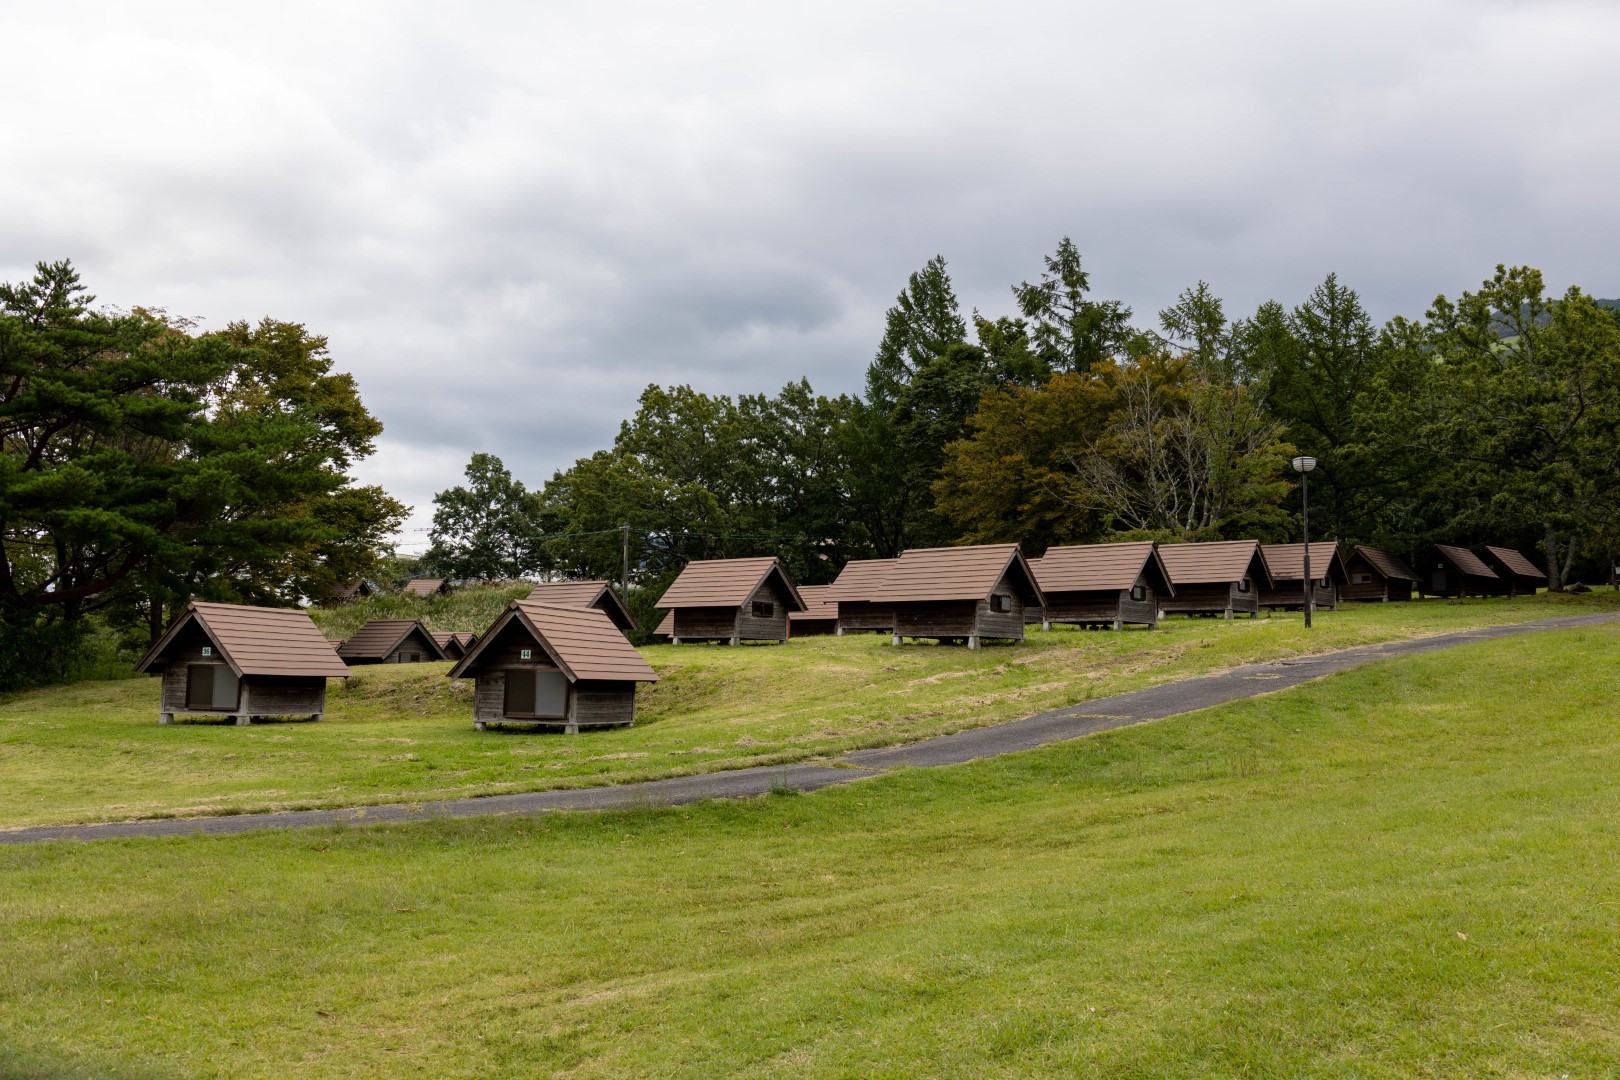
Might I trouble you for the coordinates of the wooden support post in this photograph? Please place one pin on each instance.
(839, 632)
(973, 641)
(1046, 624)
(735, 640)
(243, 720)
(570, 728)
(897, 639)
(165, 718)
(1228, 614)
(1119, 623)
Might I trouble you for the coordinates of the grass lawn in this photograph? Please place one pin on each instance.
(94, 752)
(1410, 869)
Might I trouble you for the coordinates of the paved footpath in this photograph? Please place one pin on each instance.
(1101, 714)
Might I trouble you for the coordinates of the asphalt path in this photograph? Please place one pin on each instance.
(1087, 718)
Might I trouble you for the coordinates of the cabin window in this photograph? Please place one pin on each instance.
(1138, 592)
(1244, 585)
(1000, 603)
(536, 693)
(211, 686)
(764, 609)
(1360, 579)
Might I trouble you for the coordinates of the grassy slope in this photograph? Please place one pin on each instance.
(94, 752)
(1400, 871)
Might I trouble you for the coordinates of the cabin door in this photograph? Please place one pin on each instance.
(211, 686)
(1439, 582)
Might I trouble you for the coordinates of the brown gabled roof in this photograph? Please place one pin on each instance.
(1091, 567)
(379, 637)
(666, 625)
(591, 594)
(1286, 562)
(726, 583)
(953, 573)
(422, 586)
(583, 641)
(859, 579)
(1465, 561)
(1212, 563)
(453, 643)
(1385, 563)
(349, 590)
(257, 640)
(1514, 562)
(817, 604)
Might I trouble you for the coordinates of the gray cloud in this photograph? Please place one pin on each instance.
(509, 218)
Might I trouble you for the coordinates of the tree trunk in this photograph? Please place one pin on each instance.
(1555, 571)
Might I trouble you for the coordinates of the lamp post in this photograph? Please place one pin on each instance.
(1303, 465)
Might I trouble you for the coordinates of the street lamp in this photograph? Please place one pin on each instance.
(1303, 465)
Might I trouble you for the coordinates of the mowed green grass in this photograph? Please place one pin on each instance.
(1412, 869)
(94, 752)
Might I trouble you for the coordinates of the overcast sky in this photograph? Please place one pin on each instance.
(509, 218)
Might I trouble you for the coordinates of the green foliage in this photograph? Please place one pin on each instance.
(142, 464)
(492, 529)
(1068, 331)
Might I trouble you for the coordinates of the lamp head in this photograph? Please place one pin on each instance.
(1304, 463)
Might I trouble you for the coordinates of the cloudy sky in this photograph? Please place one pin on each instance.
(510, 217)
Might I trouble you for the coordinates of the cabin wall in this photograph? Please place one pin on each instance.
(1374, 587)
(415, 642)
(863, 615)
(1001, 624)
(283, 695)
(1217, 598)
(1104, 606)
(772, 627)
(184, 651)
(707, 623)
(1291, 594)
(940, 619)
(596, 703)
(811, 627)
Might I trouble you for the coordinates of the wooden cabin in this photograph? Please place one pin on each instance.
(586, 594)
(454, 644)
(820, 615)
(853, 590)
(392, 641)
(959, 594)
(731, 600)
(1286, 564)
(1522, 576)
(350, 591)
(1102, 585)
(1224, 577)
(240, 662)
(556, 667)
(1456, 571)
(1375, 574)
(425, 586)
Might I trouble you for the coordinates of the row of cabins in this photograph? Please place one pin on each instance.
(561, 657)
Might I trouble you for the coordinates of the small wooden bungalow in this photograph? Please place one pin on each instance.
(1521, 575)
(1456, 571)
(1375, 574)
(425, 586)
(345, 592)
(820, 615)
(1286, 564)
(731, 600)
(558, 667)
(1036, 613)
(964, 594)
(1224, 577)
(392, 641)
(586, 594)
(1102, 584)
(853, 590)
(454, 644)
(241, 662)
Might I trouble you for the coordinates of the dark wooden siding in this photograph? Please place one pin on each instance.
(699, 624)
(283, 695)
(938, 619)
(772, 627)
(862, 615)
(594, 703)
(1212, 598)
(414, 642)
(1291, 594)
(1001, 624)
(1103, 607)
